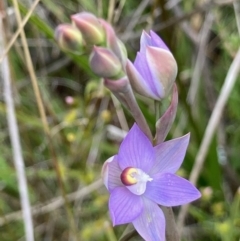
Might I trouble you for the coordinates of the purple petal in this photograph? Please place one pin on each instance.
(170, 155)
(170, 190)
(136, 151)
(163, 68)
(144, 42)
(143, 67)
(138, 83)
(114, 173)
(105, 171)
(151, 223)
(164, 124)
(157, 41)
(124, 206)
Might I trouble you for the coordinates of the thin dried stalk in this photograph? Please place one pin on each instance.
(111, 6)
(43, 117)
(236, 5)
(53, 204)
(211, 128)
(201, 58)
(23, 23)
(15, 142)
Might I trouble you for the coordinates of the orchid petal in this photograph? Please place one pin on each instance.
(105, 171)
(124, 206)
(170, 190)
(170, 155)
(136, 151)
(163, 68)
(114, 173)
(157, 41)
(138, 83)
(151, 223)
(144, 68)
(144, 42)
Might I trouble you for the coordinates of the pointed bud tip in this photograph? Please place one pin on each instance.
(69, 38)
(90, 27)
(104, 63)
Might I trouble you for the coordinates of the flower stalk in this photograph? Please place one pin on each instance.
(123, 91)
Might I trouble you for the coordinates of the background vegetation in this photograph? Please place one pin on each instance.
(84, 122)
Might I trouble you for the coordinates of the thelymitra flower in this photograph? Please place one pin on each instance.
(141, 177)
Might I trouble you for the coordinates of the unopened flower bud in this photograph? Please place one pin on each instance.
(105, 63)
(114, 43)
(90, 27)
(69, 38)
(154, 70)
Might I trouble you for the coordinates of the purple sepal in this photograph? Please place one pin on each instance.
(170, 190)
(151, 223)
(111, 173)
(170, 155)
(124, 206)
(138, 82)
(136, 151)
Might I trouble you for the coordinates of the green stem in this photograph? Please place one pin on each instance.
(157, 106)
(127, 97)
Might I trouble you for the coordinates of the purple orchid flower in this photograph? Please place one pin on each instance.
(140, 177)
(154, 70)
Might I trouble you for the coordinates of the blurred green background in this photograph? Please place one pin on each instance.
(85, 121)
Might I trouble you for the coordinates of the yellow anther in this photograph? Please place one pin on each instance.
(129, 176)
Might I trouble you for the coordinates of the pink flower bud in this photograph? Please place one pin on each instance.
(69, 38)
(90, 27)
(114, 43)
(105, 63)
(154, 70)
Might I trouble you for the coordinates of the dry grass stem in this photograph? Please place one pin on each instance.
(111, 10)
(23, 23)
(201, 58)
(120, 113)
(15, 143)
(41, 109)
(211, 128)
(134, 20)
(236, 5)
(53, 204)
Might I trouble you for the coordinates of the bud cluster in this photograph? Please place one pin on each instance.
(152, 74)
(87, 32)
